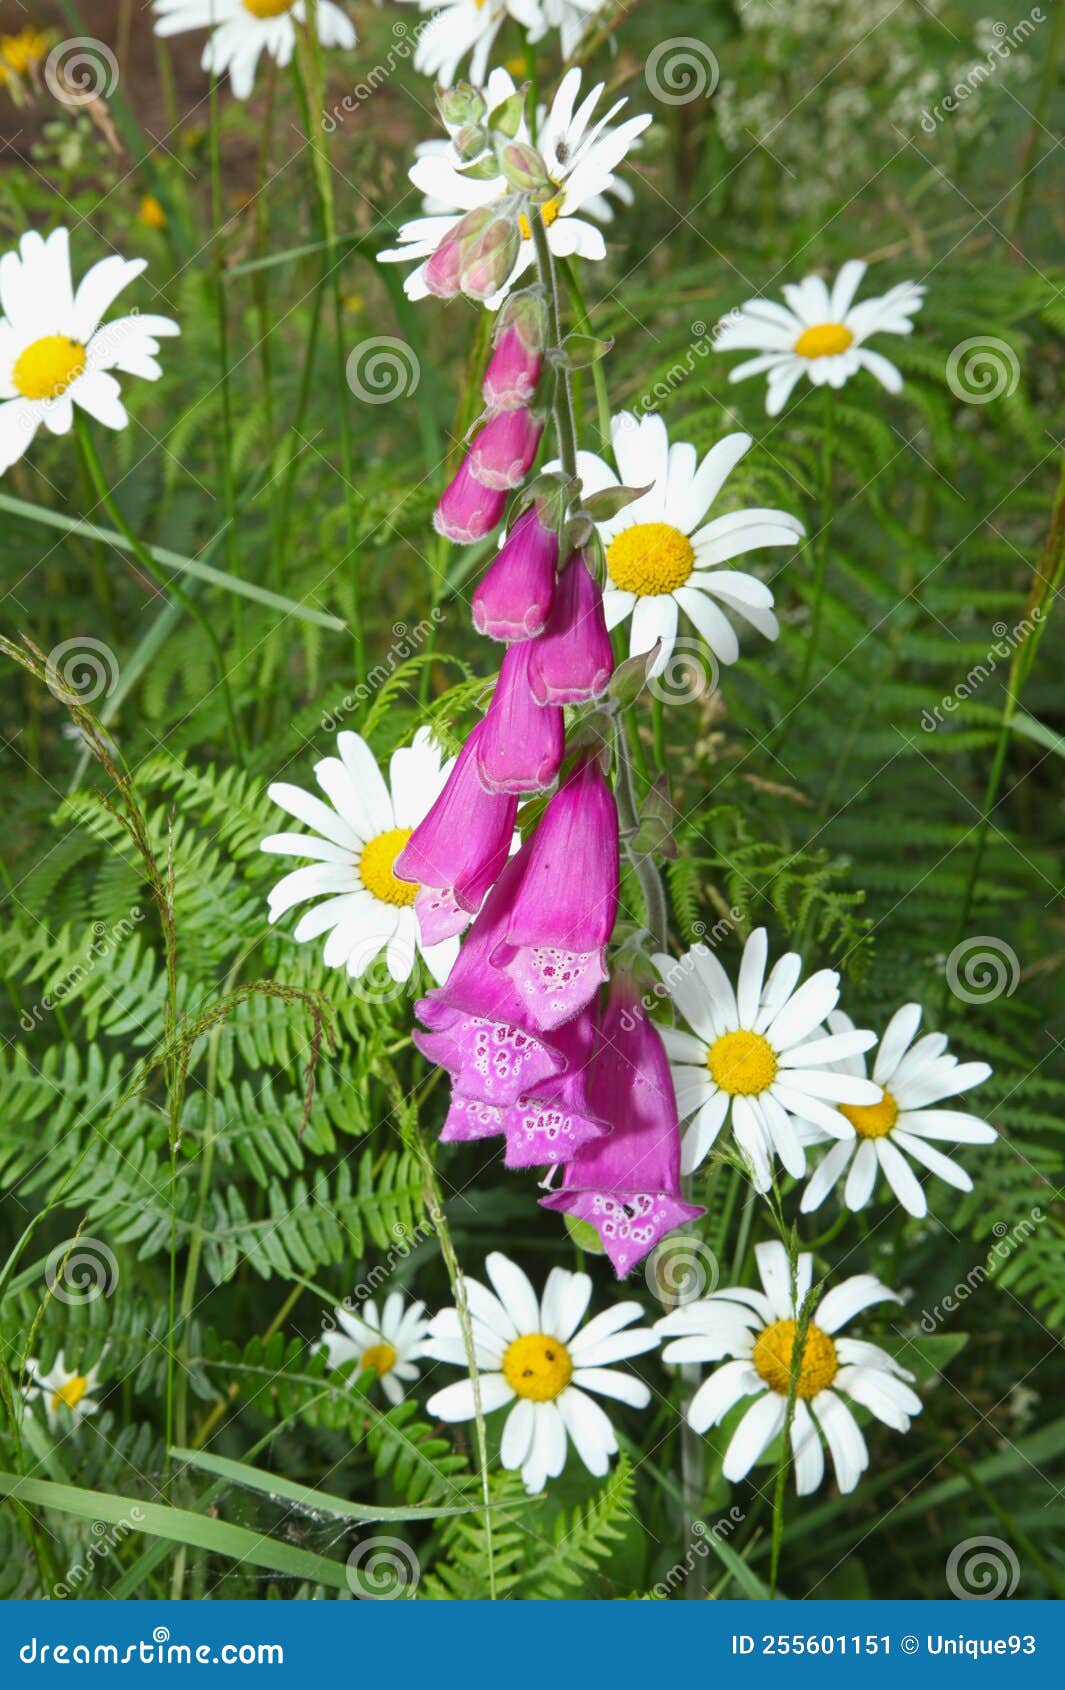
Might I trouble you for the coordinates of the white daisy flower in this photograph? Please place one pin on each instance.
(355, 840)
(819, 334)
(757, 1330)
(387, 1344)
(757, 1054)
(909, 1079)
(581, 157)
(66, 1395)
(571, 18)
(534, 1353)
(662, 557)
(54, 352)
(469, 26)
(242, 29)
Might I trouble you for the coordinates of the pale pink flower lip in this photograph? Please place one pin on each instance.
(514, 599)
(512, 374)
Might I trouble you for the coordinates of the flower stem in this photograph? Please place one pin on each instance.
(822, 544)
(167, 587)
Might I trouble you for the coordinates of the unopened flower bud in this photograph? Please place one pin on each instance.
(490, 257)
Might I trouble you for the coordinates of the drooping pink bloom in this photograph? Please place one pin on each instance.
(573, 661)
(478, 1030)
(503, 450)
(513, 372)
(514, 599)
(521, 745)
(555, 936)
(546, 1125)
(459, 850)
(468, 510)
(627, 1185)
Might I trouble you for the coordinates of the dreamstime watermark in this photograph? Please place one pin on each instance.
(703, 341)
(160, 1651)
(407, 1240)
(690, 672)
(982, 1569)
(383, 1569)
(107, 1539)
(105, 941)
(681, 70)
(1007, 1240)
(681, 1270)
(381, 369)
(982, 968)
(982, 370)
(406, 642)
(81, 70)
(406, 41)
(1006, 641)
(82, 666)
(80, 1270)
(1007, 40)
(701, 1537)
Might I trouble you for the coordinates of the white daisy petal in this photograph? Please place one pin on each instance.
(762, 1423)
(850, 1457)
(724, 1388)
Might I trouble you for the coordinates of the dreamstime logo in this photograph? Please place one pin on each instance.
(681, 70)
(83, 666)
(1007, 1240)
(383, 1569)
(1004, 40)
(983, 369)
(81, 70)
(982, 1569)
(406, 641)
(980, 969)
(382, 369)
(107, 1539)
(689, 673)
(682, 1270)
(1007, 640)
(372, 980)
(80, 1270)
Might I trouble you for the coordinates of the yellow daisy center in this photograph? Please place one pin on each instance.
(548, 212)
(376, 864)
(268, 8)
(824, 340)
(380, 1358)
(773, 1352)
(872, 1120)
(650, 558)
(48, 366)
(72, 1392)
(742, 1063)
(538, 1367)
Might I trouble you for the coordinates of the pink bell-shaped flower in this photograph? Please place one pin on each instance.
(514, 599)
(503, 450)
(627, 1185)
(468, 510)
(513, 372)
(546, 1125)
(555, 936)
(573, 660)
(521, 745)
(459, 850)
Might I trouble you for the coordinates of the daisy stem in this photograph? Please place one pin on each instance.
(821, 552)
(169, 588)
(654, 897)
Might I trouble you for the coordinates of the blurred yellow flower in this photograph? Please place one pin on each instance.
(151, 213)
(21, 54)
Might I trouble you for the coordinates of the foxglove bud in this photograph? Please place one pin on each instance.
(468, 510)
(444, 270)
(573, 660)
(490, 257)
(514, 599)
(502, 452)
(520, 748)
(512, 374)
